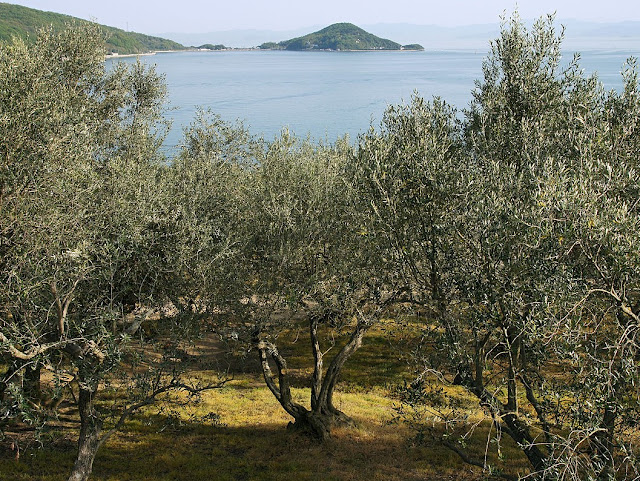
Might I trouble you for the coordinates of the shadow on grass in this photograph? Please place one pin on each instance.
(269, 452)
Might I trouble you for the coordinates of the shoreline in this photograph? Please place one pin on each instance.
(128, 55)
(246, 49)
(148, 54)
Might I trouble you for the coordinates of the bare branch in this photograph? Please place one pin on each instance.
(473, 462)
(151, 398)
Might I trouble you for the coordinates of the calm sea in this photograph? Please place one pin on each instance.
(324, 95)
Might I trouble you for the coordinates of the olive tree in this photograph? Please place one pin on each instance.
(533, 130)
(506, 265)
(545, 156)
(209, 182)
(88, 245)
(284, 210)
(410, 175)
(598, 222)
(308, 265)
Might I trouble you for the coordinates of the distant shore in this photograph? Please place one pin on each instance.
(247, 49)
(146, 54)
(125, 55)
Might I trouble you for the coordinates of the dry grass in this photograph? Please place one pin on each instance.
(252, 443)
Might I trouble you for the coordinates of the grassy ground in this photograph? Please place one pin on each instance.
(249, 440)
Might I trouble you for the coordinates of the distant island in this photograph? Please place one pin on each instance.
(208, 46)
(24, 22)
(338, 37)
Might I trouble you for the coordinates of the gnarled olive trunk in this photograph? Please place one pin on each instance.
(506, 414)
(318, 424)
(323, 415)
(89, 440)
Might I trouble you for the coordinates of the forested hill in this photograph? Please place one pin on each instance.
(339, 36)
(16, 20)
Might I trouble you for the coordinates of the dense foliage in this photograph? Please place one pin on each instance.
(23, 22)
(505, 237)
(516, 229)
(90, 239)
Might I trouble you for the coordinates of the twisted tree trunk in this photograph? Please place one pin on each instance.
(510, 421)
(323, 415)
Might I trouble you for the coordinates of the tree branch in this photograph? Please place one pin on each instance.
(465, 457)
(333, 371)
(282, 391)
(7, 346)
(316, 383)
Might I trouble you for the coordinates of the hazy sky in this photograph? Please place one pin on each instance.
(198, 16)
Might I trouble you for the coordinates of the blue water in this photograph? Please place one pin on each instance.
(324, 95)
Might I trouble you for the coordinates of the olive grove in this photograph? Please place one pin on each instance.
(507, 232)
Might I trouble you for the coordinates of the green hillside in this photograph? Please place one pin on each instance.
(16, 20)
(339, 36)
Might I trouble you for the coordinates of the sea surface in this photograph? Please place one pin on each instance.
(325, 95)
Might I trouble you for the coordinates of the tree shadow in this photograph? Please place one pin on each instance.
(271, 452)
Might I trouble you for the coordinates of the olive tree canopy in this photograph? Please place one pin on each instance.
(89, 243)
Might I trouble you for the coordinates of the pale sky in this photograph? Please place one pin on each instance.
(198, 16)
